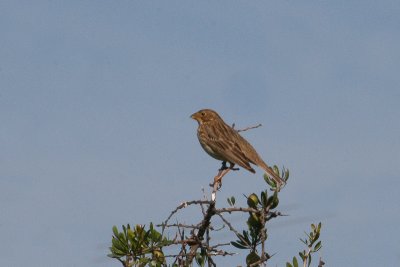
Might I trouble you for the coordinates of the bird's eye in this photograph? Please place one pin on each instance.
(202, 114)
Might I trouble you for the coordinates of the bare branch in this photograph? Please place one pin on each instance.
(205, 198)
(184, 205)
(233, 209)
(247, 128)
(214, 253)
(219, 245)
(263, 234)
(211, 261)
(205, 223)
(274, 214)
(232, 229)
(223, 253)
(180, 225)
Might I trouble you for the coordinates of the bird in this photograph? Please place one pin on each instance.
(224, 143)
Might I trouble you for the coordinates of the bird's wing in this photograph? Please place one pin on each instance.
(225, 145)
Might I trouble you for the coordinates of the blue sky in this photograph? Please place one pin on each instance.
(95, 99)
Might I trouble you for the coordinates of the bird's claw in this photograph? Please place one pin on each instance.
(217, 182)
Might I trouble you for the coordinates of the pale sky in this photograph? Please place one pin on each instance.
(95, 99)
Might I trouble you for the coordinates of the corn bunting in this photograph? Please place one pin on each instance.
(224, 143)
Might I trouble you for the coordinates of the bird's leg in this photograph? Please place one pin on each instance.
(218, 178)
(221, 173)
(223, 167)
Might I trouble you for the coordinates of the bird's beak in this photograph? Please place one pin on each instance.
(193, 116)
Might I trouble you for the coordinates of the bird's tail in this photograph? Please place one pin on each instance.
(270, 172)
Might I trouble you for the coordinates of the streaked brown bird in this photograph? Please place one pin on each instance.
(224, 143)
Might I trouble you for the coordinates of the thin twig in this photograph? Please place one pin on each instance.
(201, 205)
(184, 205)
(247, 128)
(208, 238)
(210, 261)
(223, 253)
(214, 253)
(306, 257)
(257, 263)
(274, 214)
(220, 245)
(179, 225)
(233, 229)
(179, 258)
(263, 235)
(205, 223)
(229, 210)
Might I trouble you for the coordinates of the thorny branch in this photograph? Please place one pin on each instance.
(184, 205)
(203, 228)
(233, 209)
(201, 231)
(233, 229)
(200, 234)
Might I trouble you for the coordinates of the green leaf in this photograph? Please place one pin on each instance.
(200, 259)
(254, 221)
(252, 258)
(252, 201)
(295, 263)
(123, 234)
(115, 230)
(275, 201)
(122, 237)
(316, 236)
(229, 201)
(286, 176)
(116, 243)
(317, 246)
(264, 198)
(237, 245)
(117, 253)
(268, 181)
(233, 200)
(302, 256)
(276, 170)
(131, 235)
(288, 264)
(309, 260)
(113, 256)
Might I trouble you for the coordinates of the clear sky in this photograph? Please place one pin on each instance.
(95, 99)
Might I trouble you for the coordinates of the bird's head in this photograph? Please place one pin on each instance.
(205, 115)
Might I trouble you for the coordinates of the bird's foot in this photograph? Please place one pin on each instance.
(217, 184)
(223, 167)
(218, 179)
